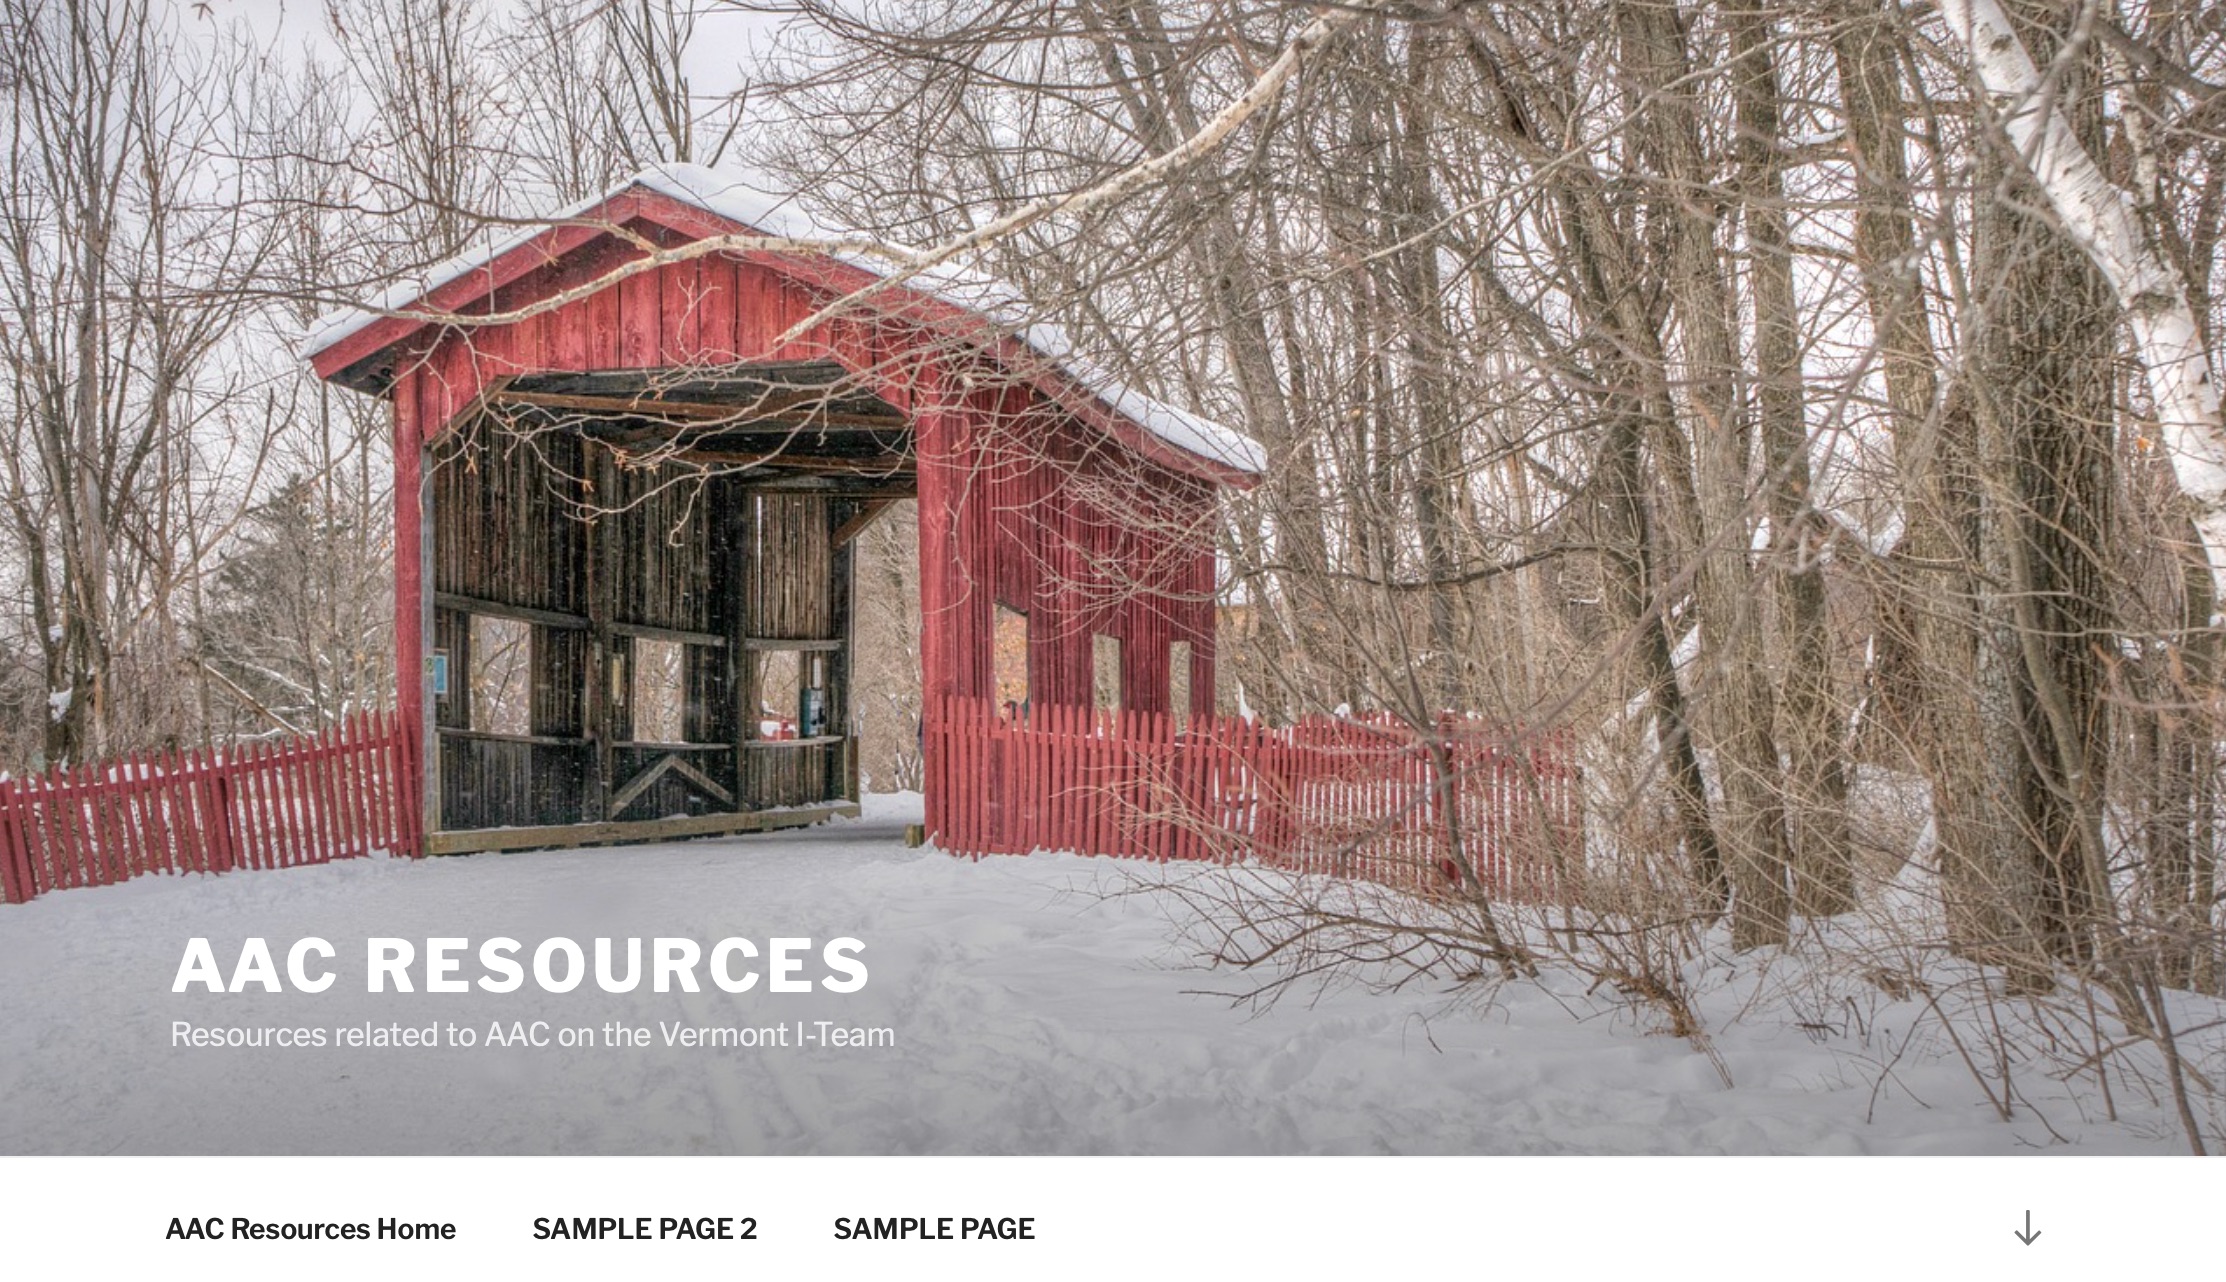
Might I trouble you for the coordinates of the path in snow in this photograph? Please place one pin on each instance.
(1031, 1014)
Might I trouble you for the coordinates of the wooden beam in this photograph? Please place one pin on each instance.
(670, 763)
(681, 635)
(909, 489)
(857, 524)
(784, 643)
(741, 415)
(491, 736)
(774, 384)
(817, 464)
(563, 835)
(504, 610)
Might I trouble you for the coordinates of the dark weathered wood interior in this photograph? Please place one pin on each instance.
(609, 512)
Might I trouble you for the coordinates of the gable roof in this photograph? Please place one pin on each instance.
(752, 209)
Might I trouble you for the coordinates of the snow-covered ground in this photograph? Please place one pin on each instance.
(1031, 1014)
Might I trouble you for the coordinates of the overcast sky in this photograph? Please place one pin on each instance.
(726, 36)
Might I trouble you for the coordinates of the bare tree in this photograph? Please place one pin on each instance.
(120, 253)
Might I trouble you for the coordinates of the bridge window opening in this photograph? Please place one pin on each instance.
(1009, 659)
(1105, 672)
(1178, 684)
(500, 700)
(660, 693)
(780, 694)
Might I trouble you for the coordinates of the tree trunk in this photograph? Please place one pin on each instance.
(1439, 473)
(1739, 707)
(2044, 346)
(1808, 710)
(2056, 150)
(1929, 584)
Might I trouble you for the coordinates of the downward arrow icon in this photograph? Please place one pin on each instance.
(2029, 1236)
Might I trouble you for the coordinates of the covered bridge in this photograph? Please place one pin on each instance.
(633, 445)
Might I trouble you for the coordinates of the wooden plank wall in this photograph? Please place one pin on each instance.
(656, 545)
(792, 530)
(659, 550)
(1084, 537)
(503, 783)
(502, 503)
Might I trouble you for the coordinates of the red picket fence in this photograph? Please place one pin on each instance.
(1356, 798)
(343, 793)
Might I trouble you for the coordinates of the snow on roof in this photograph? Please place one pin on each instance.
(735, 199)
